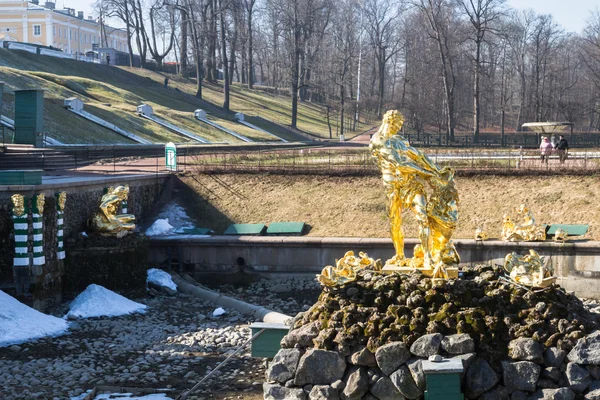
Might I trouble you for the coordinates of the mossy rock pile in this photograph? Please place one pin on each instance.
(377, 309)
(368, 340)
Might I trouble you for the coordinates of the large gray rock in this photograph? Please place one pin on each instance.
(497, 393)
(302, 336)
(587, 350)
(405, 383)
(283, 366)
(384, 389)
(357, 383)
(518, 395)
(594, 371)
(415, 366)
(520, 375)
(363, 357)
(466, 359)
(525, 349)
(390, 356)
(460, 343)
(554, 357)
(479, 378)
(593, 394)
(553, 394)
(579, 378)
(274, 391)
(427, 345)
(323, 392)
(319, 367)
(552, 373)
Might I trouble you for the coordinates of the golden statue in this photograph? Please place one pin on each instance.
(480, 234)
(40, 200)
(560, 235)
(18, 205)
(528, 270)
(61, 201)
(107, 221)
(527, 231)
(412, 181)
(346, 268)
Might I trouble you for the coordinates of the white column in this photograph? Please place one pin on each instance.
(69, 34)
(25, 29)
(49, 32)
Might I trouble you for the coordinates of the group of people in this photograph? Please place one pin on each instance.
(561, 147)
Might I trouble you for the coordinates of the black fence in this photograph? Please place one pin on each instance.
(510, 140)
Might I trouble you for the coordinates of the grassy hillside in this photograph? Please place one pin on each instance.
(356, 206)
(113, 93)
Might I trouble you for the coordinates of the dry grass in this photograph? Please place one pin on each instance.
(355, 206)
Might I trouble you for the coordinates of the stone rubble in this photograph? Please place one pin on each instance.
(514, 344)
(173, 345)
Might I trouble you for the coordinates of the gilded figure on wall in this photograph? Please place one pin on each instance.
(525, 231)
(107, 221)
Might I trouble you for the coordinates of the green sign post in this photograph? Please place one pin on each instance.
(170, 157)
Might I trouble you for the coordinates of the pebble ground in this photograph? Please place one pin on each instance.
(172, 346)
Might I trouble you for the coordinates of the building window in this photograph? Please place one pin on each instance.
(70, 34)
(37, 30)
(53, 31)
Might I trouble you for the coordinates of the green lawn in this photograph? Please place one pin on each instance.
(113, 94)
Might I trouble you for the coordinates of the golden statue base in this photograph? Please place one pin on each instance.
(391, 268)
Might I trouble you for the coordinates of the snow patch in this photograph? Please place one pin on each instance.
(159, 227)
(97, 301)
(127, 396)
(218, 312)
(161, 278)
(20, 323)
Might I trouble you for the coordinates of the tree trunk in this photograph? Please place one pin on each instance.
(224, 55)
(250, 51)
(184, 42)
(476, 77)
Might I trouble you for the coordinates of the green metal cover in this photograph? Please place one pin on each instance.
(196, 231)
(245, 229)
(286, 228)
(267, 344)
(21, 177)
(29, 117)
(443, 386)
(572, 230)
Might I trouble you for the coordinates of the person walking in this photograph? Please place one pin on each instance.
(545, 149)
(562, 147)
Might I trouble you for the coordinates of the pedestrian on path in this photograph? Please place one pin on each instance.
(545, 149)
(562, 147)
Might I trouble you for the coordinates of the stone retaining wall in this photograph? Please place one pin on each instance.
(43, 286)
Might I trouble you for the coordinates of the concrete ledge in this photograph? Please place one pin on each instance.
(577, 264)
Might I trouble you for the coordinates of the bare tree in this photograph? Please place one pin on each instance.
(481, 14)
(383, 17)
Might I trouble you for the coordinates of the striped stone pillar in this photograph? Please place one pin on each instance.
(61, 199)
(19, 214)
(38, 229)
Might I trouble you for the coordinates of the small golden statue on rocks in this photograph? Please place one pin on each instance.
(526, 231)
(346, 268)
(107, 221)
(414, 182)
(560, 235)
(480, 234)
(528, 270)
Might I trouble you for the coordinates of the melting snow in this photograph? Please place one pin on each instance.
(97, 301)
(20, 323)
(159, 227)
(161, 278)
(126, 396)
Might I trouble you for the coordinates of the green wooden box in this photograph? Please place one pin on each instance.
(245, 229)
(443, 379)
(286, 228)
(267, 344)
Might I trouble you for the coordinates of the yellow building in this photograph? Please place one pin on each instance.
(32, 22)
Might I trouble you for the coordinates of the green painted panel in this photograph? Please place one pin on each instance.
(196, 231)
(285, 228)
(245, 229)
(21, 177)
(572, 230)
(267, 344)
(29, 117)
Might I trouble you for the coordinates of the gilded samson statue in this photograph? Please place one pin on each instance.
(414, 182)
(107, 221)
